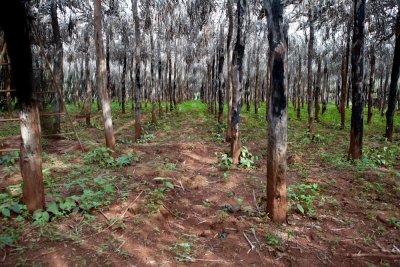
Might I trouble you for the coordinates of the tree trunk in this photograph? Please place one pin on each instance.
(138, 124)
(153, 81)
(101, 76)
(325, 93)
(309, 73)
(123, 84)
(371, 86)
(58, 65)
(229, 14)
(357, 73)
(277, 130)
(299, 87)
(221, 77)
(237, 80)
(88, 100)
(393, 83)
(15, 23)
(345, 70)
(318, 90)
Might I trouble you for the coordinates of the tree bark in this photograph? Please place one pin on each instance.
(101, 76)
(229, 14)
(58, 64)
(237, 80)
(299, 87)
(393, 89)
(123, 86)
(309, 73)
(277, 130)
(221, 59)
(138, 92)
(357, 73)
(318, 91)
(88, 100)
(371, 86)
(345, 70)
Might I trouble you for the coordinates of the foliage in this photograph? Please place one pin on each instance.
(226, 161)
(155, 198)
(102, 157)
(274, 241)
(146, 138)
(246, 158)
(303, 196)
(183, 251)
(9, 159)
(9, 204)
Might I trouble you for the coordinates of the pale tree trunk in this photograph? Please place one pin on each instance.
(318, 90)
(237, 81)
(325, 92)
(16, 32)
(58, 65)
(153, 80)
(101, 76)
(228, 136)
(123, 85)
(88, 83)
(371, 85)
(345, 71)
(385, 89)
(138, 124)
(393, 89)
(277, 130)
(309, 73)
(299, 86)
(357, 73)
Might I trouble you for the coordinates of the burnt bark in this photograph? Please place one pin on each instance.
(228, 84)
(357, 76)
(277, 130)
(237, 80)
(221, 58)
(393, 89)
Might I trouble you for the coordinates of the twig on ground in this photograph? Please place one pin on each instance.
(376, 255)
(254, 233)
(255, 201)
(180, 182)
(249, 242)
(108, 220)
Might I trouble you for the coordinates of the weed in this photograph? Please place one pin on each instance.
(303, 196)
(246, 158)
(9, 159)
(226, 161)
(274, 241)
(183, 251)
(394, 222)
(146, 138)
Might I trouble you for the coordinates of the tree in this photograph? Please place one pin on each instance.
(101, 76)
(88, 82)
(15, 24)
(371, 84)
(277, 130)
(318, 90)
(138, 125)
(309, 72)
(237, 80)
(228, 84)
(393, 89)
(357, 77)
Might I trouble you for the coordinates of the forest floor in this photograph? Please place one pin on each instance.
(174, 198)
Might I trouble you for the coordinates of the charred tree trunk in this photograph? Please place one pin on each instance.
(277, 130)
(357, 73)
(15, 23)
(309, 73)
(237, 80)
(371, 86)
(101, 76)
(221, 77)
(228, 136)
(138, 92)
(58, 65)
(393, 90)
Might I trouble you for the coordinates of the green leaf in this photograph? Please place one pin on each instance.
(16, 208)
(53, 208)
(169, 185)
(5, 212)
(300, 208)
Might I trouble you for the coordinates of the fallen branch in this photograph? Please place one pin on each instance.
(255, 201)
(377, 255)
(249, 242)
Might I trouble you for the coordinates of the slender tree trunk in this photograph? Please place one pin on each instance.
(277, 130)
(229, 13)
(357, 73)
(371, 86)
(309, 73)
(101, 76)
(123, 86)
(299, 87)
(58, 64)
(393, 89)
(268, 87)
(88, 100)
(138, 97)
(325, 92)
(237, 80)
(345, 69)
(318, 90)
(221, 77)
(153, 81)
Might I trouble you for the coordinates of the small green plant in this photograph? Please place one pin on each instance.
(155, 198)
(394, 222)
(246, 158)
(303, 196)
(226, 161)
(274, 241)
(101, 156)
(183, 251)
(10, 159)
(146, 138)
